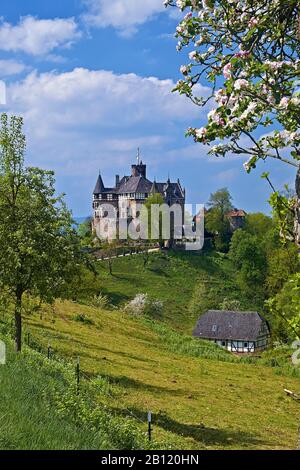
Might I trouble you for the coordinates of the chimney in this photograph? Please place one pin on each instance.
(117, 180)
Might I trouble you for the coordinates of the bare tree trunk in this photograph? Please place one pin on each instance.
(18, 320)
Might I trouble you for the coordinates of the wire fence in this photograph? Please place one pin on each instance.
(79, 374)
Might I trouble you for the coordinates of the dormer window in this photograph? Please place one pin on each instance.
(214, 328)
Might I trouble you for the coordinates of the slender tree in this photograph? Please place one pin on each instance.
(217, 221)
(39, 249)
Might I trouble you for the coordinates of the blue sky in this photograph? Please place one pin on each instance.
(93, 80)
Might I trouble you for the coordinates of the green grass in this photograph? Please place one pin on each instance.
(202, 397)
(40, 409)
(171, 278)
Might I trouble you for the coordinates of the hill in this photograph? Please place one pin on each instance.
(201, 396)
(186, 282)
(41, 410)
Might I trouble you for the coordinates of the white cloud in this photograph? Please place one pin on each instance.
(11, 67)
(38, 36)
(81, 121)
(77, 118)
(124, 15)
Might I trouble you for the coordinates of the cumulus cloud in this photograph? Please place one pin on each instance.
(124, 15)
(95, 105)
(79, 121)
(102, 98)
(11, 67)
(38, 36)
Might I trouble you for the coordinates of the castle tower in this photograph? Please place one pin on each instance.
(139, 169)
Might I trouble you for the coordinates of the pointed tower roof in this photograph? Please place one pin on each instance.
(99, 188)
(168, 186)
(154, 188)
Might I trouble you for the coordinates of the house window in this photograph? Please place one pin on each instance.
(223, 343)
(245, 345)
(109, 197)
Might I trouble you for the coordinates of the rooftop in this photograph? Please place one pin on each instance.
(224, 324)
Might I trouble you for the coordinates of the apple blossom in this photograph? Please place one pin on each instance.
(249, 53)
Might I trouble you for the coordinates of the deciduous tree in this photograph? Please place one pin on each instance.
(39, 249)
(248, 51)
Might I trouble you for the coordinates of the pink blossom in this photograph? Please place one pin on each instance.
(284, 102)
(227, 71)
(184, 70)
(253, 22)
(200, 133)
(242, 54)
(241, 83)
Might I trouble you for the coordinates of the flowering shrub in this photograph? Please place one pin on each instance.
(249, 52)
(143, 305)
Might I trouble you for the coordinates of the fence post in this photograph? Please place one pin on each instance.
(149, 426)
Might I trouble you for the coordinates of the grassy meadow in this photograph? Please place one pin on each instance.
(198, 403)
(202, 397)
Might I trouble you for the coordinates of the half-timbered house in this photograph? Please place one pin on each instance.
(239, 332)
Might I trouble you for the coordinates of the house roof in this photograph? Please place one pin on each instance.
(237, 213)
(173, 188)
(135, 184)
(223, 324)
(140, 184)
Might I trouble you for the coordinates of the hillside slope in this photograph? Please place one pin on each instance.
(40, 408)
(171, 277)
(201, 397)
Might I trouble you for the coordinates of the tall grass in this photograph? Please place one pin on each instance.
(180, 343)
(40, 409)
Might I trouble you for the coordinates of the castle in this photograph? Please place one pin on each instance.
(131, 191)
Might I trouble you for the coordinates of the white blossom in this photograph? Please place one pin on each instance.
(241, 83)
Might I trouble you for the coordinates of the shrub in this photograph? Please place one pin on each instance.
(83, 318)
(230, 304)
(100, 301)
(143, 305)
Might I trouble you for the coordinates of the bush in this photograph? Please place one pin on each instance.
(143, 305)
(100, 301)
(230, 304)
(83, 318)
